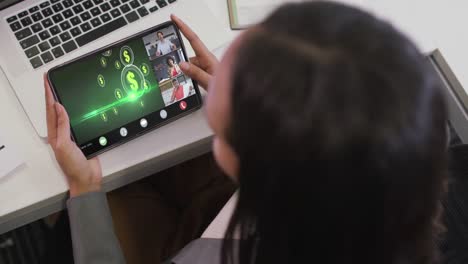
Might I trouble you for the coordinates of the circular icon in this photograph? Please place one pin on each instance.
(101, 81)
(132, 79)
(118, 94)
(126, 55)
(143, 123)
(145, 69)
(103, 141)
(163, 114)
(107, 53)
(103, 61)
(116, 112)
(123, 132)
(183, 105)
(117, 65)
(104, 117)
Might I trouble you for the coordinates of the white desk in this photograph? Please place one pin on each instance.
(38, 188)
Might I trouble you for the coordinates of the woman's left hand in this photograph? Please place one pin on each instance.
(82, 175)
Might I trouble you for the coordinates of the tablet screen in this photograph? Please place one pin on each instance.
(121, 91)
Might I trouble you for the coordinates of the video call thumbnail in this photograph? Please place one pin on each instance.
(164, 50)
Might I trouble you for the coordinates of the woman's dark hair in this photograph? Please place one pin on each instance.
(168, 59)
(342, 157)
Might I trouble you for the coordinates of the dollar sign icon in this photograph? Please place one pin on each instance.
(126, 55)
(104, 117)
(145, 69)
(101, 80)
(115, 111)
(117, 65)
(103, 62)
(145, 85)
(118, 94)
(131, 81)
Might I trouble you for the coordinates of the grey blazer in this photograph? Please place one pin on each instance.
(94, 240)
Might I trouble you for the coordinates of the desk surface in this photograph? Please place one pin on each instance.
(38, 188)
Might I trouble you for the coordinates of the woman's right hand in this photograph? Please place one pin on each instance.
(202, 66)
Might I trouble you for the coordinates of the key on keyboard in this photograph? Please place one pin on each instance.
(132, 16)
(32, 52)
(26, 32)
(36, 16)
(33, 9)
(54, 41)
(11, 19)
(54, 30)
(58, 52)
(100, 31)
(36, 27)
(45, 4)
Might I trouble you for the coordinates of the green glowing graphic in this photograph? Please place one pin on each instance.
(101, 80)
(118, 94)
(107, 53)
(103, 62)
(104, 117)
(101, 99)
(142, 104)
(130, 98)
(103, 141)
(131, 81)
(126, 56)
(145, 69)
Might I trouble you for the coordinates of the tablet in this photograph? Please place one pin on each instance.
(126, 89)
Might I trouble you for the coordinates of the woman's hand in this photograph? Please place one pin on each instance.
(202, 66)
(82, 175)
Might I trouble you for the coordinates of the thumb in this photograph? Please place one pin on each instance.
(63, 125)
(196, 73)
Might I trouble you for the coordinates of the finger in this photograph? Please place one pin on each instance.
(51, 114)
(196, 73)
(194, 60)
(197, 45)
(63, 126)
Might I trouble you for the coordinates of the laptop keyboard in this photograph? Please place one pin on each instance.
(52, 28)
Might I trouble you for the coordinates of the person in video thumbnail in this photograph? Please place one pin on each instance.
(178, 92)
(164, 46)
(173, 68)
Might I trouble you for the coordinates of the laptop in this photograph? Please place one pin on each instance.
(40, 34)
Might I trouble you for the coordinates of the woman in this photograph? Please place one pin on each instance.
(173, 69)
(339, 159)
(178, 91)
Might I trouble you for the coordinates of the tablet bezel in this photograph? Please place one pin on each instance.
(122, 42)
